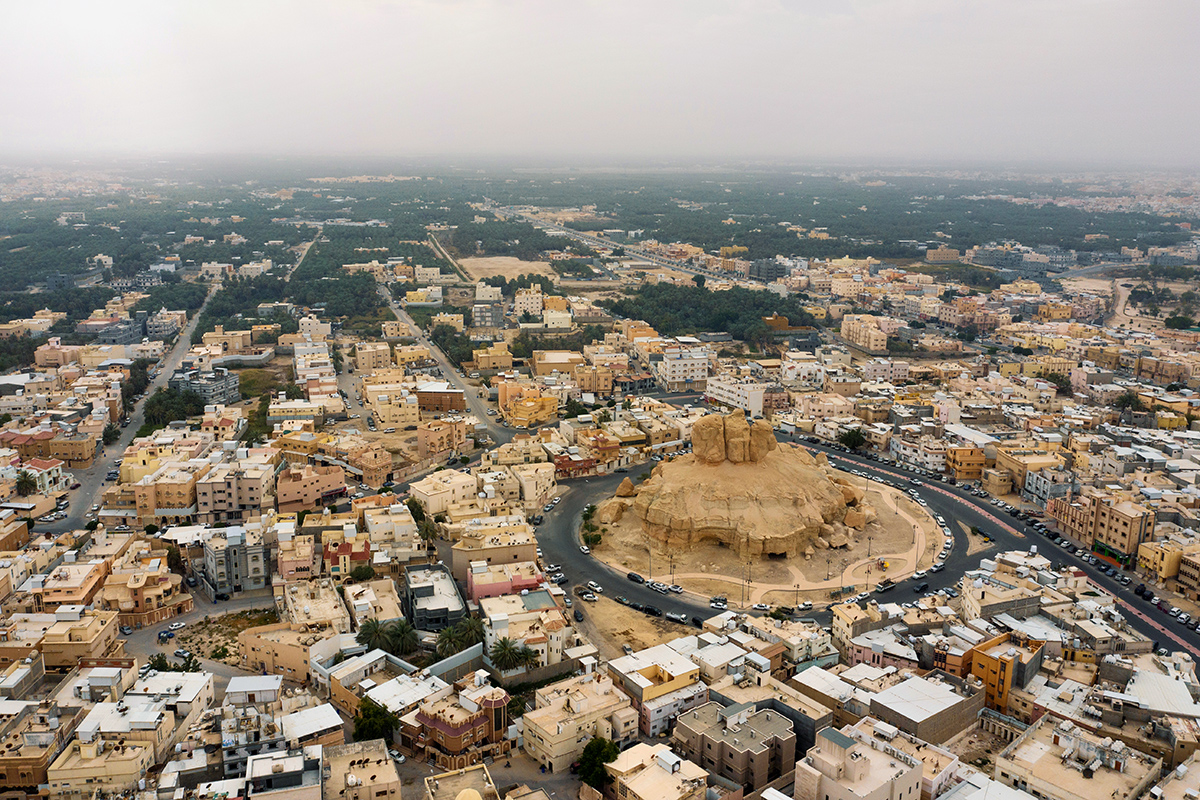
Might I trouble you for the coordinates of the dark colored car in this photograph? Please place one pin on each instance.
(633, 576)
(578, 615)
(221, 596)
(653, 611)
(637, 606)
(920, 587)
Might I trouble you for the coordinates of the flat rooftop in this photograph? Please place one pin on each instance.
(1062, 764)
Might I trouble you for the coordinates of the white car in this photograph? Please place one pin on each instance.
(583, 548)
(919, 575)
(761, 607)
(591, 598)
(176, 626)
(595, 587)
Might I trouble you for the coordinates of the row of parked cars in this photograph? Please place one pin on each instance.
(1183, 618)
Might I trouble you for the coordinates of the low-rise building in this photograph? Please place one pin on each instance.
(1058, 760)
(841, 766)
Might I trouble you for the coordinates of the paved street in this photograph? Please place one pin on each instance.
(92, 479)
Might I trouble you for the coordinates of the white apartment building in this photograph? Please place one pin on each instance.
(682, 369)
(528, 301)
(885, 369)
(736, 393)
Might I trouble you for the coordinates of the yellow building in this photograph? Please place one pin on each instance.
(454, 321)
(529, 412)
(85, 769)
(1003, 663)
(965, 463)
(369, 356)
(495, 357)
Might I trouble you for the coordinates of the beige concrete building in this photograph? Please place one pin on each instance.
(841, 767)
(309, 487)
(234, 492)
(1055, 759)
(740, 744)
(281, 649)
(441, 436)
(143, 590)
(360, 771)
(438, 491)
(493, 358)
(369, 356)
(569, 713)
(1110, 524)
(85, 768)
(651, 772)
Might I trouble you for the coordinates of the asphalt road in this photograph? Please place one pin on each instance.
(92, 479)
(475, 404)
(558, 539)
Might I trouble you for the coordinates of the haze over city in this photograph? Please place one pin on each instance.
(1092, 84)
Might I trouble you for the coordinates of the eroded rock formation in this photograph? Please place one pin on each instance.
(740, 489)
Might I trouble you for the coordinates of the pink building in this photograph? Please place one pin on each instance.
(494, 580)
(881, 648)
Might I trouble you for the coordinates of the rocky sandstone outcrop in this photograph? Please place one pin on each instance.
(740, 489)
(626, 489)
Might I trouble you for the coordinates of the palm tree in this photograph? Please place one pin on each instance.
(470, 631)
(505, 654)
(373, 634)
(402, 637)
(529, 657)
(26, 483)
(449, 641)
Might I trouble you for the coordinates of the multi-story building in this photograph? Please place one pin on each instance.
(681, 369)
(218, 386)
(740, 744)
(736, 392)
(85, 768)
(431, 599)
(569, 713)
(593, 379)
(38, 733)
(460, 729)
(650, 772)
(438, 491)
(661, 683)
(528, 301)
(349, 781)
(235, 560)
(370, 356)
(440, 436)
(234, 493)
(142, 589)
(1111, 525)
(309, 487)
(494, 357)
(863, 331)
(1004, 663)
(965, 463)
(65, 638)
(487, 315)
(841, 766)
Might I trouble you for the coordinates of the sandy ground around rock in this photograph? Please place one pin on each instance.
(713, 569)
(609, 625)
(506, 266)
(206, 637)
(975, 543)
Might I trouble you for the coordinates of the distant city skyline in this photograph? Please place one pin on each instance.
(1101, 84)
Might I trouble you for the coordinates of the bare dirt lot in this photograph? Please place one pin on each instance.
(610, 625)
(216, 637)
(505, 266)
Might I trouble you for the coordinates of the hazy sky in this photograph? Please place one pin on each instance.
(1088, 81)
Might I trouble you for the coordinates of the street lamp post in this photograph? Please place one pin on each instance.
(796, 602)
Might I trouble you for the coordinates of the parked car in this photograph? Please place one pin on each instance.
(761, 607)
(578, 615)
(181, 653)
(653, 611)
(595, 587)
(126, 630)
(633, 576)
(583, 548)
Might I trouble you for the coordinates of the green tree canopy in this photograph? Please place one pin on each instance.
(596, 753)
(373, 721)
(852, 438)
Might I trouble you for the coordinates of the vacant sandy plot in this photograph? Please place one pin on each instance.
(505, 266)
(611, 625)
